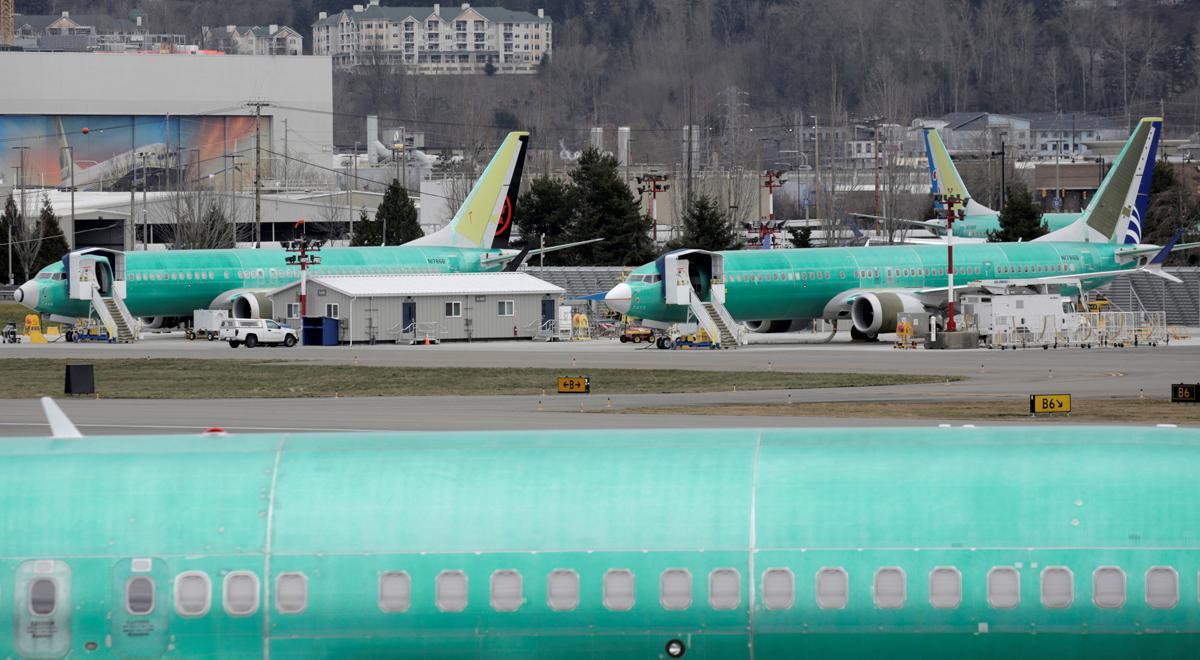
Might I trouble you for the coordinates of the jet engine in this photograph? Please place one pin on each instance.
(767, 327)
(250, 305)
(160, 322)
(873, 313)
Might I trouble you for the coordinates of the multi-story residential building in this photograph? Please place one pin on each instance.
(1034, 134)
(435, 39)
(253, 40)
(92, 33)
(1070, 133)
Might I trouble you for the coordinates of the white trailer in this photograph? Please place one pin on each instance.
(206, 323)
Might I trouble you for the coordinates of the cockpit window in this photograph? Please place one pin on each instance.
(45, 276)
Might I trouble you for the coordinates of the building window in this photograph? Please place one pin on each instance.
(332, 310)
(506, 591)
(1003, 587)
(43, 597)
(1058, 587)
(453, 309)
(139, 596)
(451, 591)
(945, 587)
(1162, 587)
(675, 589)
(193, 594)
(291, 593)
(618, 590)
(889, 588)
(505, 308)
(240, 593)
(833, 588)
(562, 590)
(724, 589)
(779, 589)
(293, 310)
(1108, 587)
(395, 591)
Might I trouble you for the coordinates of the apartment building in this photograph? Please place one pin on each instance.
(435, 40)
(253, 40)
(79, 33)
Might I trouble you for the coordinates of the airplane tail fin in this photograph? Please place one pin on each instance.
(943, 175)
(488, 208)
(1114, 215)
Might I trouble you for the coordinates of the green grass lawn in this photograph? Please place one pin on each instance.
(202, 379)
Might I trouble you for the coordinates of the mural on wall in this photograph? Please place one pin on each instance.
(119, 152)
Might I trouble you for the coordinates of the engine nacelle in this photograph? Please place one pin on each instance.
(873, 313)
(250, 305)
(768, 327)
(160, 322)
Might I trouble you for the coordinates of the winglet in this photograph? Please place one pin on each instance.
(60, 424)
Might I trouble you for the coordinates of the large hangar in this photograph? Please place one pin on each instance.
(107, 122)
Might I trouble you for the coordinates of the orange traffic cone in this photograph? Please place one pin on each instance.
(426, 340)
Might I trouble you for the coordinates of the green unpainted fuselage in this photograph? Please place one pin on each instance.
(341, 511)
(174, 283)
(799, 283)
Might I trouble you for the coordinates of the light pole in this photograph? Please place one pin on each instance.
(21, 182)
(1001, 154)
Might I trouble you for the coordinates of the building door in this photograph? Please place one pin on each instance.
(139, 607)
(408, 315)
(548, 312)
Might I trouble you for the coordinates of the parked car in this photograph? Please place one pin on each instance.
(253, 332)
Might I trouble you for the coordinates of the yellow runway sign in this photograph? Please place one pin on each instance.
(574, 385)
(1049, 403)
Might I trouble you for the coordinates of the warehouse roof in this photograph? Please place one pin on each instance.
(381, 286)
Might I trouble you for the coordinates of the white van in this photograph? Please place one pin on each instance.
(253, 332)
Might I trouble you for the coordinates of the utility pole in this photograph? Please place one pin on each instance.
(1003, 167)
(877, 166)
(948, 202)
(653, 184)
(817, 157)
(145, 219)
(258, 106)
(21, 182)
(285, 153)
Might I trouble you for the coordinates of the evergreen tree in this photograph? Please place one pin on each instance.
(396, 217)
(1173, 207)
(366, 231)
(53, 245)
(801, 236)
(1020, 219)
(705, 227)
(8, 223)
(545, 209)
(606, 208)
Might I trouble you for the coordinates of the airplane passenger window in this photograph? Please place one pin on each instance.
(193, 593)
(451, 591)
(945, 587)
(1162, 587)
(779, 589)
(43, 596)
(139, 596)
(291, 593)
(1004, 587)
(618, 590)
(240, 597)
(833, 588)
(562, 590)
(1108, 587)
(724, 589)
(1058, 587)
(506, 591)
(675, 589)
(889, 588)
(395, 591)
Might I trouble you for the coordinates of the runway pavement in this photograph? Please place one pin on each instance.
(1095, 373)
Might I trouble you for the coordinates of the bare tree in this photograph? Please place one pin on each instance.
(201, 222)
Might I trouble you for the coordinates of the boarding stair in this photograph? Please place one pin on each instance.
(716, 321)
(115, 316)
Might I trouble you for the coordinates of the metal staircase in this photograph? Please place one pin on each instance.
(716, 321)
(725, 335)
(115, 316)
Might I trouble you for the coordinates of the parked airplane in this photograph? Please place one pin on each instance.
(738, 543)
(174, 283)
(980, 220)
(771, 289)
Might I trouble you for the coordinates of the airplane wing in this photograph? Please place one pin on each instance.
(935, 227)
(958, 240)
(508, 256)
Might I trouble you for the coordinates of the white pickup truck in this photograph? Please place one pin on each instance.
(253, 332)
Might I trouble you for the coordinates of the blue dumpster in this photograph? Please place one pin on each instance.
(320, 331)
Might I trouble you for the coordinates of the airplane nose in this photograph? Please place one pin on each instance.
(27, 294)
(619, 298)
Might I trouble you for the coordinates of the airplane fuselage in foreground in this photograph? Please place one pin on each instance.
(1048, 542)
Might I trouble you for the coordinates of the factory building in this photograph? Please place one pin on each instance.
(443, 307)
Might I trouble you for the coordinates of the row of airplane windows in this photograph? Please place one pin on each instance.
(240, 590)
(281, 273)
(898, 272)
